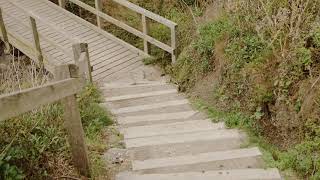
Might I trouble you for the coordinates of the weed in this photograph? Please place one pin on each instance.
(209, 34)
(245, 49)
(316, 38)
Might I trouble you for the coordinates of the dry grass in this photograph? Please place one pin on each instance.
(18, 72)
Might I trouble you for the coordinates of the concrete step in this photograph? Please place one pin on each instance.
(131, 109)
(145, 100)
(120, 85)
(231, 159)
(172, 128)
(233, 174)
(155, 117)
(182, 138)
(232, 141)
(140, 95)
(168, 109)
(136, 89)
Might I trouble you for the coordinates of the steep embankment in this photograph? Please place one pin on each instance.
(258, 62)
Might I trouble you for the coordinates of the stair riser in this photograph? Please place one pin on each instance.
(158, 119)
(171, 109)
(235, 174)
(135, 90)
(146, 123)
(181, 149)
(145, 100)
(167, 129)
(240, 163)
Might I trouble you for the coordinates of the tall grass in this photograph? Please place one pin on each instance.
(34, 145)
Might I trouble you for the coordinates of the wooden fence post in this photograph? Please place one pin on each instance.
(84, 64)
(62, 3)
(4, 33)
(36, 39)
(145, 30)
(73, 122)
(98, 4)
(174, 44)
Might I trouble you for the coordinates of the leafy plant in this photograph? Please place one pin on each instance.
(245, 49)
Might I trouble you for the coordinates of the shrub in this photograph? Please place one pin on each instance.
(316, 38)
(245, 48)
(209, 34)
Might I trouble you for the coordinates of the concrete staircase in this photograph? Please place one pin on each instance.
(168, 140)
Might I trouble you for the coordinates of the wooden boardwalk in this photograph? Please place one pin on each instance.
(59, 29)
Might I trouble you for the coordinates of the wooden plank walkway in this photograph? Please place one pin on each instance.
(59, 30)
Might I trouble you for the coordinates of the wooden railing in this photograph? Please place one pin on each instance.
(67, 84)
(145, 15)
(80, 50)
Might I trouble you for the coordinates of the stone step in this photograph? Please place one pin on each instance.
(131, 109)
(141, 95)
(233, 174)
(172, 128)
(231, 159)
(182, 138)
(233, 141)
(136, 90)
(155, 117)
(145, 100)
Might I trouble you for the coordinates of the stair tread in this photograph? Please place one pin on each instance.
(140, 95)
(181, 138)
(149, 106)
(172, 128)
(155, 117)
(195, 159)
(238, 174)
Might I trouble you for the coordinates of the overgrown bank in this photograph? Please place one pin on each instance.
(34, 145)
(256, 64)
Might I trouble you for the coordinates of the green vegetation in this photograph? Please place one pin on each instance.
(35, 144)
(303, 158)
(264, 58)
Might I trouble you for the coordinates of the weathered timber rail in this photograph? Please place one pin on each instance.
(58, 30)
(145, 15)
(67, 84)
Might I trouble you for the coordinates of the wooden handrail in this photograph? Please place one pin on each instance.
(147, 13)
(142, 34)
(67, 85)
(44, 21)
(14, 104)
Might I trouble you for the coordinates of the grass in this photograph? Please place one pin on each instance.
(302, 158)
(34, 145)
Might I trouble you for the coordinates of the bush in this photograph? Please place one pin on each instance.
(245, 48)
(209, 34)
(303, 158)
(316, 38)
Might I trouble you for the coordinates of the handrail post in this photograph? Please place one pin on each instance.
(62, 3)
(4, 33)
(84, 64)
(174, 44)
(36, 39)
(98, 5)
(73, 123)
(145, 30)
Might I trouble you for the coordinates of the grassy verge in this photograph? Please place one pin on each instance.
(34, 145)
(302, 158)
